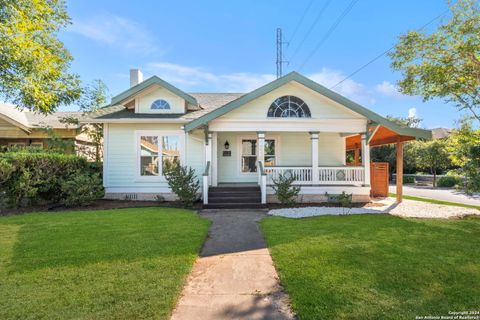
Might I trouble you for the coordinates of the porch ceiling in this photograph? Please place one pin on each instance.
(382, 136)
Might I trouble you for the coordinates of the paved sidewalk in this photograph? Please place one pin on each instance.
(444, 194)
(234, 278)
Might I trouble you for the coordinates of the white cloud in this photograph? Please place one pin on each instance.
(349, 88)
(201, 79)
(412, 113)
(198, 78)
(116, 32)
(388, 89)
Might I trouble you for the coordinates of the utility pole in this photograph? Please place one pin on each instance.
(280, 60)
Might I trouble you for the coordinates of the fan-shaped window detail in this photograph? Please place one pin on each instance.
(288, 107)
(160, 105)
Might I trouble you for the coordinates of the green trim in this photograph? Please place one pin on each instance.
(370, 134)
(294, 76)
(147, 83)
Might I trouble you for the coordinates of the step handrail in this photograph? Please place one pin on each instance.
(206, 174)
(262, 181)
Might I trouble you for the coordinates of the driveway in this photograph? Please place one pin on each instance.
(445, 194)
(234, 278)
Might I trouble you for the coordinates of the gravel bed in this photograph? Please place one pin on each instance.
(408, 208)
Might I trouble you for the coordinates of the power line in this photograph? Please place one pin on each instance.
(330, 31)
(386, 51)
(317, 18)
(300, 21)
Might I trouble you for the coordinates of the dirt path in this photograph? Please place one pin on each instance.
(234, 278)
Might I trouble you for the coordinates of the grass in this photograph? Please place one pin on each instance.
(376, 266)
(447, 203)
(106, 264)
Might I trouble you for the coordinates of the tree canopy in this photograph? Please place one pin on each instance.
(34, 64)
(446, 63)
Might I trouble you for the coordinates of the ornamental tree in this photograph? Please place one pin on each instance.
(446, 63)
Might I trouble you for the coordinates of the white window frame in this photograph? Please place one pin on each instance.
(276, 138)
(160, 134)
(17, 144)
(37, 144)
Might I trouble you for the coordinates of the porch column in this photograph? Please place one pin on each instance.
(399, 187)
(261, 146)
(366, 160)
(214, 162)
(314, 148)
(208, 155)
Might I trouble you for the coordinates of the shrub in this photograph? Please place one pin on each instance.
(82, 189)
(408, 179)
(345, 201)
(182, 181)
(285, 192)
(32, 177)
(448, 181)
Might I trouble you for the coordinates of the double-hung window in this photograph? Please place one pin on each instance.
(249, 154)
(155, 151)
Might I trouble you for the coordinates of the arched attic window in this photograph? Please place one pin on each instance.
(160, 104)
(288, 107)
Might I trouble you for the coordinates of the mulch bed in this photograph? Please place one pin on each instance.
(98, 205)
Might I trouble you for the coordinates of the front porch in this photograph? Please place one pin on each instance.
(317, 161)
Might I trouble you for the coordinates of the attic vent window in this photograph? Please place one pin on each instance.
(288, 107)
(160, 105)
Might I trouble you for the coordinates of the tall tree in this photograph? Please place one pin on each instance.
(446, 63)
(94, 96)
(433, 156)
(34, 64)
(464, 148)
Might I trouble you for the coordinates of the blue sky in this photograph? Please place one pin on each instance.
(218, 46)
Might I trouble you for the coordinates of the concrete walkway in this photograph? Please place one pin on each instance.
(444, 194)
(234, 278)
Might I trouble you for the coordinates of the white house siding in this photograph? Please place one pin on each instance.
(320, 106)
(177, 104)
(121, 163)
(293, 149)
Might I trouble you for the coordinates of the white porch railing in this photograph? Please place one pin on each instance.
(302, 175)
(326, 175)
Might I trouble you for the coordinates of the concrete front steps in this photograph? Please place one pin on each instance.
(234, 197)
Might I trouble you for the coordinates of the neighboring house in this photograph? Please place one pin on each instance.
(290, 126)
(20, 128)
(441, 133)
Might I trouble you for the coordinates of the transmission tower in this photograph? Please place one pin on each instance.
(280, 60)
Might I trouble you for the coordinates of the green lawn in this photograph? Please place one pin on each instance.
(106, 264)
(448, 203)
(376, 266)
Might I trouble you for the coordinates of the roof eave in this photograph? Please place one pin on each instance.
(147, 83)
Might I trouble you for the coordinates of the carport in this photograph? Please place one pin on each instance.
(388, 133)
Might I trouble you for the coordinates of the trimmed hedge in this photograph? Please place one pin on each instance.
(42, 177)
(448, 181)
(408, 179)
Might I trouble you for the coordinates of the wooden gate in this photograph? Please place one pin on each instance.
(379, 179)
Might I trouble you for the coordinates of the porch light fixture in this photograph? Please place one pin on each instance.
(226, 145)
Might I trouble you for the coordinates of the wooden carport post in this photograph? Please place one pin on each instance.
(399, 172)
(357, 155)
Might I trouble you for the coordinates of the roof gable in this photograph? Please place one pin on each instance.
(294, 76)
(148, 83)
